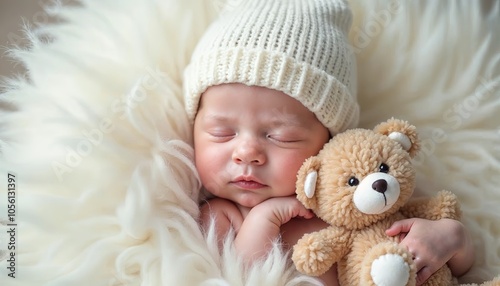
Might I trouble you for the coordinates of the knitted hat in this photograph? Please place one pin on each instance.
(299, 47)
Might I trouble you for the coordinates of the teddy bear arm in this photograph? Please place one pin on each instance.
(444, 205)
(316, 252)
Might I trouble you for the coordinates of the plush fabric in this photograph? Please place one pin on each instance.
(100, 144)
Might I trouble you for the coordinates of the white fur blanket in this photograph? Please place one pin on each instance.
(97, 138)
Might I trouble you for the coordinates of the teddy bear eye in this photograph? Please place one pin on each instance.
(353, 181)
(383, 168)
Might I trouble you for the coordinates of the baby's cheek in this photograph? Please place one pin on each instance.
(208, 173)
(293, 164)
(288, 177)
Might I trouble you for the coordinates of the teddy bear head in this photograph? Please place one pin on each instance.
(360, 176)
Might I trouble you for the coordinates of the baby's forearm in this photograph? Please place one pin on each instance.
(255, 237)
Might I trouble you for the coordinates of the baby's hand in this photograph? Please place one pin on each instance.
(263, 223)
(432, 243)
(281, 210)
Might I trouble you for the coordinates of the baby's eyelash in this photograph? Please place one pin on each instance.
(276, 138)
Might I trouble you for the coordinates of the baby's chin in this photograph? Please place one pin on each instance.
(249, 202)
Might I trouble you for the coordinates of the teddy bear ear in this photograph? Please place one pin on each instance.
(402, 132)
(307, 180)
(310, 184)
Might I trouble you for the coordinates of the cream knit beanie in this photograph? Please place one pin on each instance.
(299, 47)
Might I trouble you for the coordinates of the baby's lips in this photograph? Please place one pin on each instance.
(250, 185)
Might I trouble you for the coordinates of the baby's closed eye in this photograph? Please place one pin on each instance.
(283, 138)
(286, 136)
(221, 134)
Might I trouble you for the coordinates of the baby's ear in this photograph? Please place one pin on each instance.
(402, 132)
(307, 182)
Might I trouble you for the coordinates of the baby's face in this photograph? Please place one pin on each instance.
(250, 142)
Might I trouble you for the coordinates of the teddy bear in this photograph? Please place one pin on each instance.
(360, 183)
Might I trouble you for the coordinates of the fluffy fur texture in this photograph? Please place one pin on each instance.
(98, 139)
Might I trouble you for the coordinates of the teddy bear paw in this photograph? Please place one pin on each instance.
(390, 270)
(312, 259)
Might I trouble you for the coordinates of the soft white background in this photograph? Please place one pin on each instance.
(123, 216)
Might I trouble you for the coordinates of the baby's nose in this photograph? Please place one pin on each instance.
(249, 152)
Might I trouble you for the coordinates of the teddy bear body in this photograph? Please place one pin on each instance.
(361, 241)
(370, 244)
(361, 183)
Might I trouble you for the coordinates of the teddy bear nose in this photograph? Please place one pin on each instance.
(380, 186)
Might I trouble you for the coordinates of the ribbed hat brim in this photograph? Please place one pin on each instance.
(308, 84)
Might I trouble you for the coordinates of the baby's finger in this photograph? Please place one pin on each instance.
(401, 226)
(306, 214)
(423, 275)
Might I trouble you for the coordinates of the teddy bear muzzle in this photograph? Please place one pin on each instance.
(376, 193)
